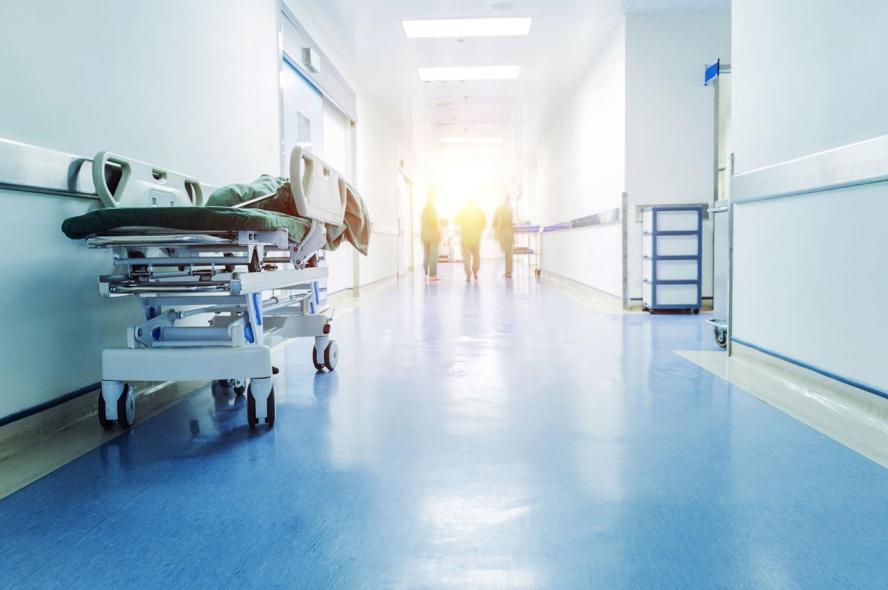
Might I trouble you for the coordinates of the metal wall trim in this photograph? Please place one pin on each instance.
(608, 217)
(29, 168)
(857, 164)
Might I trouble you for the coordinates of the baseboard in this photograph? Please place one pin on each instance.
(833, 390)
(34, 429)
(587, 294)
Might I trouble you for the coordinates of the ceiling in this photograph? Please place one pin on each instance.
(564, 39)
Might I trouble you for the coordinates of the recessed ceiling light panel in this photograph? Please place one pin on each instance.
(467, 27)
(469, 73)
(472, 140)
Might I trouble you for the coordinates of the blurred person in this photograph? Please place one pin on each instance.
(504, 232)
(471, 222)
(431, 237)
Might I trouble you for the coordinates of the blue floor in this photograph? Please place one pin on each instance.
(485, 436)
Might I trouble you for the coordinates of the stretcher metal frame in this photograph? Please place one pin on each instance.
(214, 303)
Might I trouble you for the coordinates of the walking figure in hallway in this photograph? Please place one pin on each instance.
(431, 237)
(471, 221)
(504, 232)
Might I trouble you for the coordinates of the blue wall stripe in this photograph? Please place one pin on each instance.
(840, 378)
(288, 61)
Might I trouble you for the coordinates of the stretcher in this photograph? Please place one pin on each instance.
(219, 286)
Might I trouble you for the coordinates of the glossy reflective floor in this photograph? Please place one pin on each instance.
(480, 436)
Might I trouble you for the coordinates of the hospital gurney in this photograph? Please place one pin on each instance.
(254, 271)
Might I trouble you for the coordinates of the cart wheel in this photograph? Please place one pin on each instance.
(331, 355)
(126, 407)
(240, 387)
(103, 420)
(697, 311)
(252, 421)
(721, 337)
(314, 359)
(269, 409)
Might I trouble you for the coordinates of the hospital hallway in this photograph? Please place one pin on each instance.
(490, 435)
(239, 349)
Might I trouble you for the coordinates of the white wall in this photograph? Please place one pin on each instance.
(807, 73)
(670, 145)
(161, 82)
(378, 183)
(377, 147)
(582, 171)
(808, 268)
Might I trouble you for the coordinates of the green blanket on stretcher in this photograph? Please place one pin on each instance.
(275, 213)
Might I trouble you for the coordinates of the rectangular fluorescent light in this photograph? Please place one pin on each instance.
(472, 151)
(469, 73)
(472, 140)
(467, 27)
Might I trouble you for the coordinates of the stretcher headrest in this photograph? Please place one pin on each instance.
(124, 182)
(319, 191)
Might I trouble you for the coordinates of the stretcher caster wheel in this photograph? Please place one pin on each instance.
(331, 355)
(103, 420)
(314, 360)
(126, 407)
(269, 409)
(721, 337)
(252, 420)
(239, 386)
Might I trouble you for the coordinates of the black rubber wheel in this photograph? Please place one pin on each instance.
(269, 409)
(252, 421)
(106, 424)
(314, 359)
(721, 337)
(126, 407)
(331, 356)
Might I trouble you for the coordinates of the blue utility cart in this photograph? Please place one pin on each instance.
(672, 248)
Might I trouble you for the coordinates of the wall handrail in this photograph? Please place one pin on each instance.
(856, 164)
(608, 217)
(34, 169)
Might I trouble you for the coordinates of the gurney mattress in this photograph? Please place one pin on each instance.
(220, 214)
(186, 219)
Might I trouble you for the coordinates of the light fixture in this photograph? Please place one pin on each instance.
(466, 27)
(472, 151)
(472, 140)
(469, 73)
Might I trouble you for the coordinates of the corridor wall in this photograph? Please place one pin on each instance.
(803, 265)
(582, 169)
(640, 122)
(121, 76)
(670, 146)
(177, 92)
